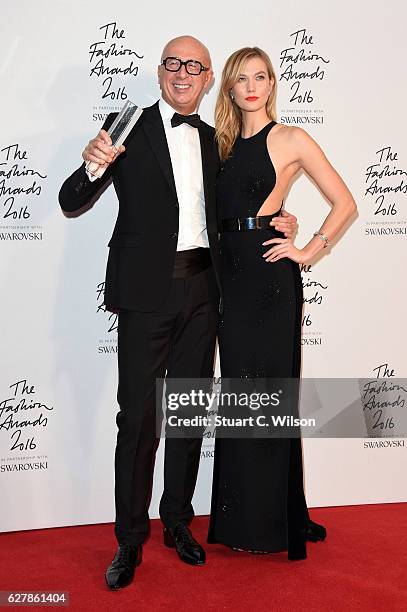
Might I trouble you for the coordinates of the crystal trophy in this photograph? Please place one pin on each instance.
(118, 132)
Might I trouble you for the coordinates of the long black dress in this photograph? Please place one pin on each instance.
(257, 498)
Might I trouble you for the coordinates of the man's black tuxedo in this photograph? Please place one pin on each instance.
(166, 326)
(144, 240)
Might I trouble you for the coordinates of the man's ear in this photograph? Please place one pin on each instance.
(209, 78)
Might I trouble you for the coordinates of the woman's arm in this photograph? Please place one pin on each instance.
(313, 161)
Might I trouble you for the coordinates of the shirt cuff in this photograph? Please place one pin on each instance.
(90, 176)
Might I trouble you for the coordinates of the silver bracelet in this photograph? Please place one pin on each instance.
(323, 238)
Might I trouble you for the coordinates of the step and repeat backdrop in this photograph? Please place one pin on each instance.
(64, 66)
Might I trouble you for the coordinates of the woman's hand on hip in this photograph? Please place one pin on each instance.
(284, 248)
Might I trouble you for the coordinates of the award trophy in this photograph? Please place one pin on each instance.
(118, 132)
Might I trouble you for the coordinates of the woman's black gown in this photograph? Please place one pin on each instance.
(257, 498)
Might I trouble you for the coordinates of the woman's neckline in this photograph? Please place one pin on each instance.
(257, 133)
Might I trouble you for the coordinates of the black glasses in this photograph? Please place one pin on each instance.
(173, 64)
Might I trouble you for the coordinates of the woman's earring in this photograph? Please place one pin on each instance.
(232, 97)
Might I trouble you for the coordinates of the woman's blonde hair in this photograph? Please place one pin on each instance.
(228, 116)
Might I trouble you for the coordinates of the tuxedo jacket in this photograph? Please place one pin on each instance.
(144, 240)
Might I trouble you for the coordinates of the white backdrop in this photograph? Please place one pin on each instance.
(340, 68)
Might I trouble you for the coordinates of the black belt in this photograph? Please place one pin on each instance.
(190, 262)
(242, 224)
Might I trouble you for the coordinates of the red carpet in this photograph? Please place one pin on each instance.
(361, 566)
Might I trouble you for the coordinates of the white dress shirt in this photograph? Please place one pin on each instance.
(185, 153)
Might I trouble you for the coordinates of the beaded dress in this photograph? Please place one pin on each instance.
(257, 499)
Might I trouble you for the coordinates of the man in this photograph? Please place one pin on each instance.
(162, 275)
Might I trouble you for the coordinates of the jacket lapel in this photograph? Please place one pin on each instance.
(154, 130)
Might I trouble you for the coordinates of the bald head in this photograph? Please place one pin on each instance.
(181, 90)
(188, 43)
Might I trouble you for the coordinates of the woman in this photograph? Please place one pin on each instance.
(258, 500)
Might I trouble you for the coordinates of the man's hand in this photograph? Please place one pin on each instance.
(101, 151)
(286, 223)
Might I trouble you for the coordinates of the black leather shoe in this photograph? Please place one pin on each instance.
(314, 532)
(121, 570)
(188, 549)
(297, 548)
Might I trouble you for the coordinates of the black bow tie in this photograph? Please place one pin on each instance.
(192, 120)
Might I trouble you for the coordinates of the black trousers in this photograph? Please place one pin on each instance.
(178, 340)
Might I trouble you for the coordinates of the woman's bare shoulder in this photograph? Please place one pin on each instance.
(294, 139)
(290, 133)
